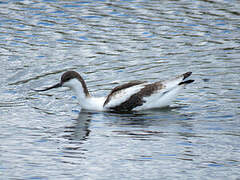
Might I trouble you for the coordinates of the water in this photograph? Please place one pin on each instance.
(46, 136)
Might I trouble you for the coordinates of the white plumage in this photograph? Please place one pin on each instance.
(122, 96)
(132, 96)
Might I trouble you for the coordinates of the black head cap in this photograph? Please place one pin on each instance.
(67, 76)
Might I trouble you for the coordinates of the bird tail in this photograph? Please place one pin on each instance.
(186, 82)
(177, 81)
(186, 75)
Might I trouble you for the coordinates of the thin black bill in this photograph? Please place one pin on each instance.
(48, 88)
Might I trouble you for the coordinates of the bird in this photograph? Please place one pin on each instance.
(132, 96)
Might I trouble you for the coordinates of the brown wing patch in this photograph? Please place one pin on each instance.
(121, 87)
(150, 89)
(137, 99)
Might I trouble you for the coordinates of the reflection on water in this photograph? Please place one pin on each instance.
(80, 129)
(43, 136)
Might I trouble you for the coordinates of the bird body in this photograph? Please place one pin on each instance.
(132, 96)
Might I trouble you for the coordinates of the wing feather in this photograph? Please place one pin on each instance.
(122, 93)
(131, 95)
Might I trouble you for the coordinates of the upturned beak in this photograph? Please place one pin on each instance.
(52, 87)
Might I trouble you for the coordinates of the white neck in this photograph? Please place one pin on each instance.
(86, 101)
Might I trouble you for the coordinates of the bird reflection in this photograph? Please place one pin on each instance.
(76, 134)
(148, 124)
(80, 131)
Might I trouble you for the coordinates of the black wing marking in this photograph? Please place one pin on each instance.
(121, 87)
(137, 98)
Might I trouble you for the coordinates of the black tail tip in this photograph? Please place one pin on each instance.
(186, 75)
(186, 82)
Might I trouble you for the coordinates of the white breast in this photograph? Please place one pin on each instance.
(93, 103)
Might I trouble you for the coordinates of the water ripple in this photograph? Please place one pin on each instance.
(47, 136)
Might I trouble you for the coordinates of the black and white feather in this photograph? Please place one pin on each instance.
(132, 96)
(139, 95)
